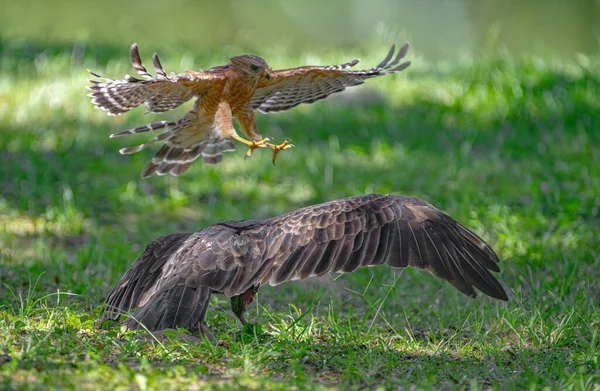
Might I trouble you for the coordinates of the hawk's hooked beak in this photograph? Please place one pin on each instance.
(267, 75)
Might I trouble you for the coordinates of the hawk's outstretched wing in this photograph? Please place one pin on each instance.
(288, 88)
(161, 93)
(185, 140)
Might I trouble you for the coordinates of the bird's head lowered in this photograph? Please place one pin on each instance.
(251, 66)
(240, 303)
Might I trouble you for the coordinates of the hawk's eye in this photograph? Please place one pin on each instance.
(254, 68)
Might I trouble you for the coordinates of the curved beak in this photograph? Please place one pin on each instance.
(267, 74)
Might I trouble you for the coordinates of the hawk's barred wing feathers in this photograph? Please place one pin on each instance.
(288, 88)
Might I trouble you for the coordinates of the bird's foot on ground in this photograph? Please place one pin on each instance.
(204, 329)
(281, 147)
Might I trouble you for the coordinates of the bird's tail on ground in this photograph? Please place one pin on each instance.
(150, 305)
(179, 306)
(139, 281)
(174, 158)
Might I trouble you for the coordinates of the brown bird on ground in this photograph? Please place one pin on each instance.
(171, 282)
(223, 93)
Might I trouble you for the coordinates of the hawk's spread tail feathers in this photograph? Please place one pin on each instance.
(175, 160)
(159, 94)
(172, 157)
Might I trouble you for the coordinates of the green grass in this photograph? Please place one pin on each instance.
(510, 148)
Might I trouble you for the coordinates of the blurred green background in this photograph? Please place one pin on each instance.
(439, 29)
(495, 122)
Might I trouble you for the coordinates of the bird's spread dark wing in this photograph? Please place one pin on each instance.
(161, 93)
(337, 236)
(288, 88)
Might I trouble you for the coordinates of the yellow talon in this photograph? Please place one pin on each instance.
(252, 145)
(281, 147)
(264, 143)
(255, 145)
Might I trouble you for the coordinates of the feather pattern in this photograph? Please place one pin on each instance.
(288, 88)
(222, 93)
(185, 140)
(237, 257)
(158, 94)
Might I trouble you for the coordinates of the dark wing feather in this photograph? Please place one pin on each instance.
(288, 88)
(340, 236)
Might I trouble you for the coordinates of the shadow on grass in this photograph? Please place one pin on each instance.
(356, 366)
(364, 366)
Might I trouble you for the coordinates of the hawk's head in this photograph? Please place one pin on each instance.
(251, 65)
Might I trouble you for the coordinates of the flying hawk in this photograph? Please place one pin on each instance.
(222, 93)
(170, 283)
